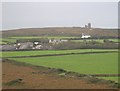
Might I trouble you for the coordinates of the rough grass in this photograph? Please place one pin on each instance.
(14, 82)
(116, 79)
(49, 37)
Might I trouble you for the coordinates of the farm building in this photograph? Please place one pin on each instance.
(56, 41)
(85, 36)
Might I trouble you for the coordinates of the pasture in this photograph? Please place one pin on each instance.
(103, 63)
(97, 40)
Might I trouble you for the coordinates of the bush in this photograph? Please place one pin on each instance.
(85, 45)
(15, 82)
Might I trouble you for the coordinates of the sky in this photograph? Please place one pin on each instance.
(59, 14)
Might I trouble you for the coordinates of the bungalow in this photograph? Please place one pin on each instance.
(85, 36)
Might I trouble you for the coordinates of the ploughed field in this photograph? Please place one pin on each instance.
(89, 63)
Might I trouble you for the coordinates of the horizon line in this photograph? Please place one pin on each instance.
(57, 27)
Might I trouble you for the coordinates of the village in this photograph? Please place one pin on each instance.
(43, 43)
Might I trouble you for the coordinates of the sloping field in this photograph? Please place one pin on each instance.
(103, 63)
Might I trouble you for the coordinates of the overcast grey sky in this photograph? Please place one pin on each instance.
(55, 14)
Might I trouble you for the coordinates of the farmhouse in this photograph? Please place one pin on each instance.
(54, 41)
(57, 41)
(36, 43)
(38, 47)
(64, 40)
(85, 36)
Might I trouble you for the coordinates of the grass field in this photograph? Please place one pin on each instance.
(7, 40)
(1, 42)
(44, 52)
(104, 63)
(98, 40)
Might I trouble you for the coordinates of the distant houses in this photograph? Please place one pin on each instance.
(42, 43)
(57, 41)
(39, 43)
(27, 45)
(88, 26)
(33, 44)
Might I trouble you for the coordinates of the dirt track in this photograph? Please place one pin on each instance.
(32, 80)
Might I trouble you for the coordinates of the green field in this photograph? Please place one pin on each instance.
(7, 40)
(44, 52)
(1, 42)
(98, 40)
(103, 63)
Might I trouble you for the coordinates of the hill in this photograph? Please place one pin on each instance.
(61, 31)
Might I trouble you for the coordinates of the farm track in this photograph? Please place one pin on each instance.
(63, 54)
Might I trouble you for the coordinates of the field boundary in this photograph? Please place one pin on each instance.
(56, 50)
(62, 54)
(105, 75)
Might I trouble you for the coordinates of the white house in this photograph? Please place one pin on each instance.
(64, 40)
(18, 44)
(36, 43)
(54, 41)
(85, 36)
